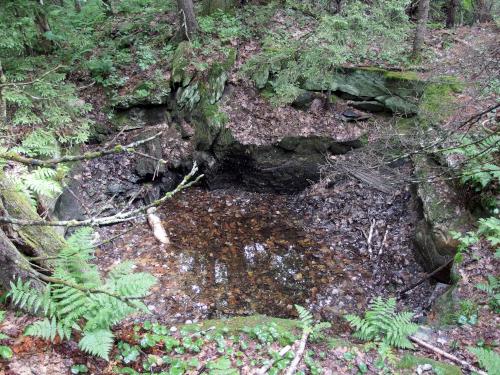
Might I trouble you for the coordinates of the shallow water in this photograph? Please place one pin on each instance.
(239, 253)
(242, 253)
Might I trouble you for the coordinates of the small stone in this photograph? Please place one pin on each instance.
(173, 329)
(188, 321)
(298, 277)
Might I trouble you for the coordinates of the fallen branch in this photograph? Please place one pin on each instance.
(113, 219)
(12, 156)
(447, 355)
(263, 370)
(427, 276)
(300, 352)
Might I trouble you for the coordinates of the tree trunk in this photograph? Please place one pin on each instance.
(3, 102)
(451, 13)
(38, 241)
(423, 16)
(14, 264)
(189, 25)
(78, 6)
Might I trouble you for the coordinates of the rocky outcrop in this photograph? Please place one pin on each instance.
(442, 213)
(374, 88)
(287, 166)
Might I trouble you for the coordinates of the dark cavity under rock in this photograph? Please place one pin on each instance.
(288, 166)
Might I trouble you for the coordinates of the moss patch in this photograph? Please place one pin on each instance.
(237, 324)
(410, 361)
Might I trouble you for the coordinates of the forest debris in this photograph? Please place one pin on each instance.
(157, 227)
(300, 352)
(447, 355)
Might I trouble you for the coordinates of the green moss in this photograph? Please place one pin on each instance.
(410, 361)
(237, 324)
(436, 103)
(409, 76)
(454, 83)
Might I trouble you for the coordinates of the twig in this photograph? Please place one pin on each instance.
(384, 243)
(427, 276)
(263, 370)
(370, 236)
(71, 158)
(33, 81)
(300, 352)
(447, 355)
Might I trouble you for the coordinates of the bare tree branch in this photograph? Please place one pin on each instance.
(12, 156)
(113, 219)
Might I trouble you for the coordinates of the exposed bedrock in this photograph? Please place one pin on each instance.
(443, 212)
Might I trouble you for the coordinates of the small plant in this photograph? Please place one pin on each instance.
(381, 323)
(5, 351)
(492, 289)
(307, 323)
(488, 359)
(77, 298)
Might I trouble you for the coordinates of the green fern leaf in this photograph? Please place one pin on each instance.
(488, 359)
(98, 342)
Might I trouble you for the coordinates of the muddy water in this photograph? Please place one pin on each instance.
(242, 253)
(239, 253)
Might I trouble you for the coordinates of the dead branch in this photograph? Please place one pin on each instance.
(263, 370)
(12, 156)
(300, 352)
(427, 276)
(447, 355)
(113, 219)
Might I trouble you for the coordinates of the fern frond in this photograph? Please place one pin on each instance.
(46, 329)
(381, 322)
(133, 285)
(488, 359)
(305, 317)
(97, 343)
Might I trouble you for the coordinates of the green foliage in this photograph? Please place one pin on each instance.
(488, 228)
(5, 351)
(480, 168)
(488, 359)
(347, 37)
(222, 25)
(492, 289)
(307, 323)
(77, 298)
(382, 323)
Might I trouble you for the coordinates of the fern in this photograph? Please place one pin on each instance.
(492, 289)
(42, 182)
(307, 323)
(488, 359)
(382, 323)
(79, 299)
(98, 342)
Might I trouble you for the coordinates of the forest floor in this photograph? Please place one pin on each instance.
(325, 231)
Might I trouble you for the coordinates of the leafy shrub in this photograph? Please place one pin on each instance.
(77, 298)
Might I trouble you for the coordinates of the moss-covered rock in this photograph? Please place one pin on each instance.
(442, 213)
(411, 362)
(398, 92)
